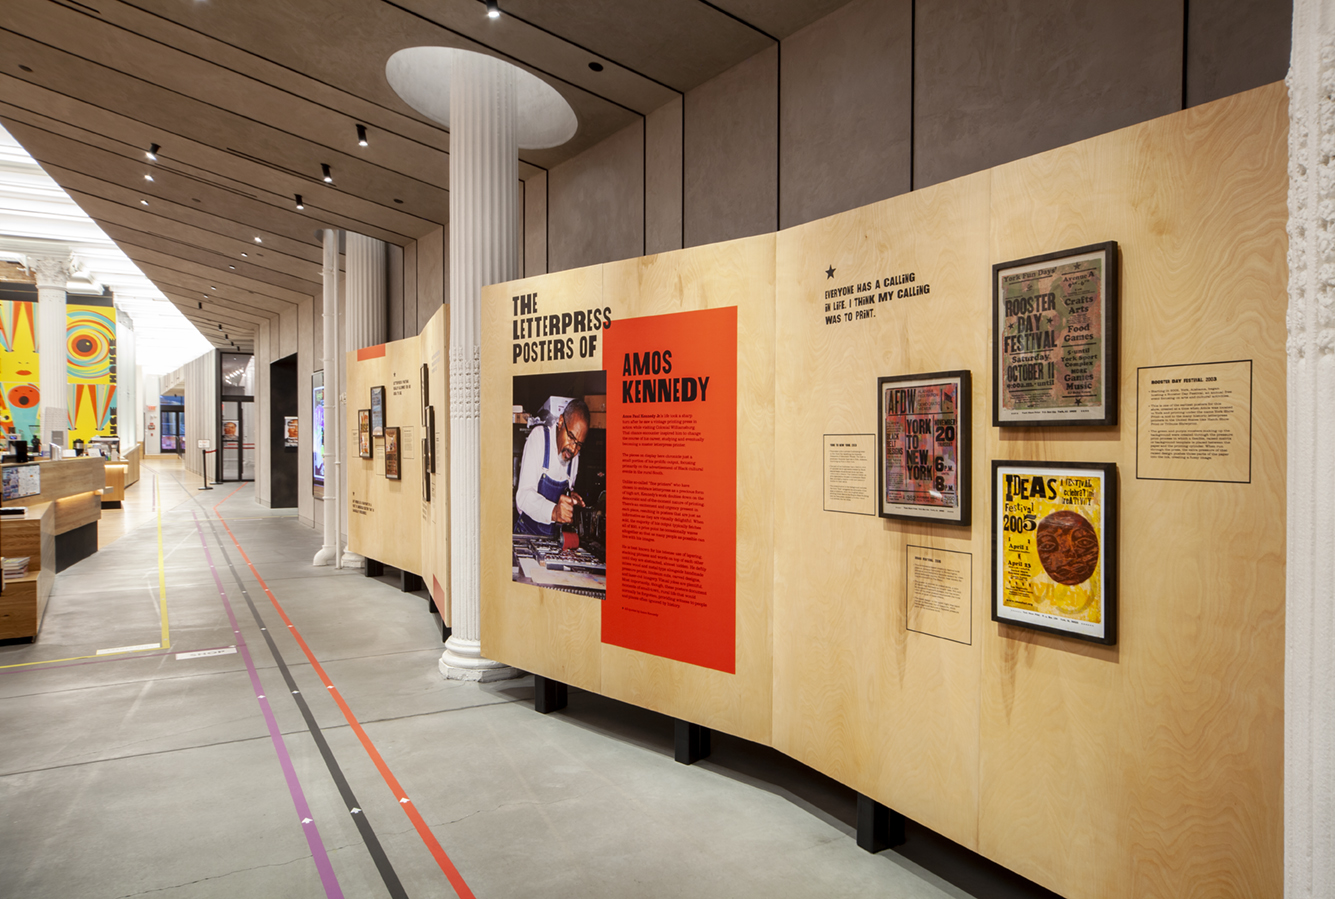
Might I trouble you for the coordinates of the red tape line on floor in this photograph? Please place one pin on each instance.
(423, 830)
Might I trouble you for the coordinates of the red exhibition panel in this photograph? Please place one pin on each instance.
(672, 486)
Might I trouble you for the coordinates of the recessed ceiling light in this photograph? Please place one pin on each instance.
(328, 176)
(25, 68)
(152, 153)
(211, 287)
(397, 200)
(258, 240)
(493, 9)
(145, 202)
(195, 199)
(596, 66)
(148, 177)
(361, 135)
(300, 205)
(245, 254)
(232, 267)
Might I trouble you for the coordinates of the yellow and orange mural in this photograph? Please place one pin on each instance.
(90, 350)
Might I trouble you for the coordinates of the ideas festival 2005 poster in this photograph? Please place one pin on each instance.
(1053, 537)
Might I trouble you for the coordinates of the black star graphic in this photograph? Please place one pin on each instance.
(829, 272)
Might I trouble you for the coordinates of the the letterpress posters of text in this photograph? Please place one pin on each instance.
(672, 486)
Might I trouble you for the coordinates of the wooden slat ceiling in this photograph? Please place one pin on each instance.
(247, 99)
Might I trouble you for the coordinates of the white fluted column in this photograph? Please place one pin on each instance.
(328, 552)
(364, 324)
(52, 273)
(484, 177)
(1309, 656)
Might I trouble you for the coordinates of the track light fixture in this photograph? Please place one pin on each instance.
(493, 9)
(152, 153)
(328, 175)
(300, 205)
(361, 135)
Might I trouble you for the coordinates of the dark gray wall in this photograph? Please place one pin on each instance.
(847, 115)
(731, 150)
(998, 81)
(597, 203)
(825, 122)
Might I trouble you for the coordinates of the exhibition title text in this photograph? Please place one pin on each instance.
(544, 338)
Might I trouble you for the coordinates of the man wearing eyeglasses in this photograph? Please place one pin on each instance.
(545, 498)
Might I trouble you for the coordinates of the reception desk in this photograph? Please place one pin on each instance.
(24, 599)
(73, 487)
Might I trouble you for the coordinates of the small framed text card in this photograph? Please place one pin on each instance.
(1054, 547)
(1054, 338)
(924, 447)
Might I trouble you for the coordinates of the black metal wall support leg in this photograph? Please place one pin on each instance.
(548, 695)
(691, 741)
(445, 631)
(878, 827)
(374, 568)
(408, 582)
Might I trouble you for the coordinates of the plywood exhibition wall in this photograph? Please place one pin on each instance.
(558, 633)
(1149, 766)
(398, 522)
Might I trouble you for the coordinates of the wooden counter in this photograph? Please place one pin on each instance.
(24, 599)
(74, 488)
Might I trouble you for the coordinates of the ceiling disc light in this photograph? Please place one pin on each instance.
(328, 176)
(148, 177)
(145, 202)
(493, 9)
(258, 240)
(247, 255)
(300, 205)
(596, 66)
(361, 135)
(232, 267)
(152, 153)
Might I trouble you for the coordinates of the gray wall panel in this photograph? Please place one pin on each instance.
(731, 152)
(662, 178)
(596, 211)
(846, 115)
(535, 225)
(394, 294)
(1236, 45)
(433, 275)
(998, 81)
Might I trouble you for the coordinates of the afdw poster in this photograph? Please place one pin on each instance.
(90, 348)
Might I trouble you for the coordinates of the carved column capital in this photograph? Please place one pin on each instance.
(51, 271)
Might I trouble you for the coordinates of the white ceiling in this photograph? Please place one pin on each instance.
(37, 217)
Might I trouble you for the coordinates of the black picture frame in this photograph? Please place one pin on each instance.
(426, 474)
(364, 446)
(393, 454)
(425, 390)
(430, 456)
(1049, 353)
(377, 411)
(947, 429)
(1023, 506)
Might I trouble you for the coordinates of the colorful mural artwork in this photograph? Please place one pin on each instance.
(90, 347)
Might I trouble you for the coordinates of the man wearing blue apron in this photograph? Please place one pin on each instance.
(545, 498)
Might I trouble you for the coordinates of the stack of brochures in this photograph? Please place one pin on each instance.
(15, 567)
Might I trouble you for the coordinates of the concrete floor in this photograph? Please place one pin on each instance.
(146, 773)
